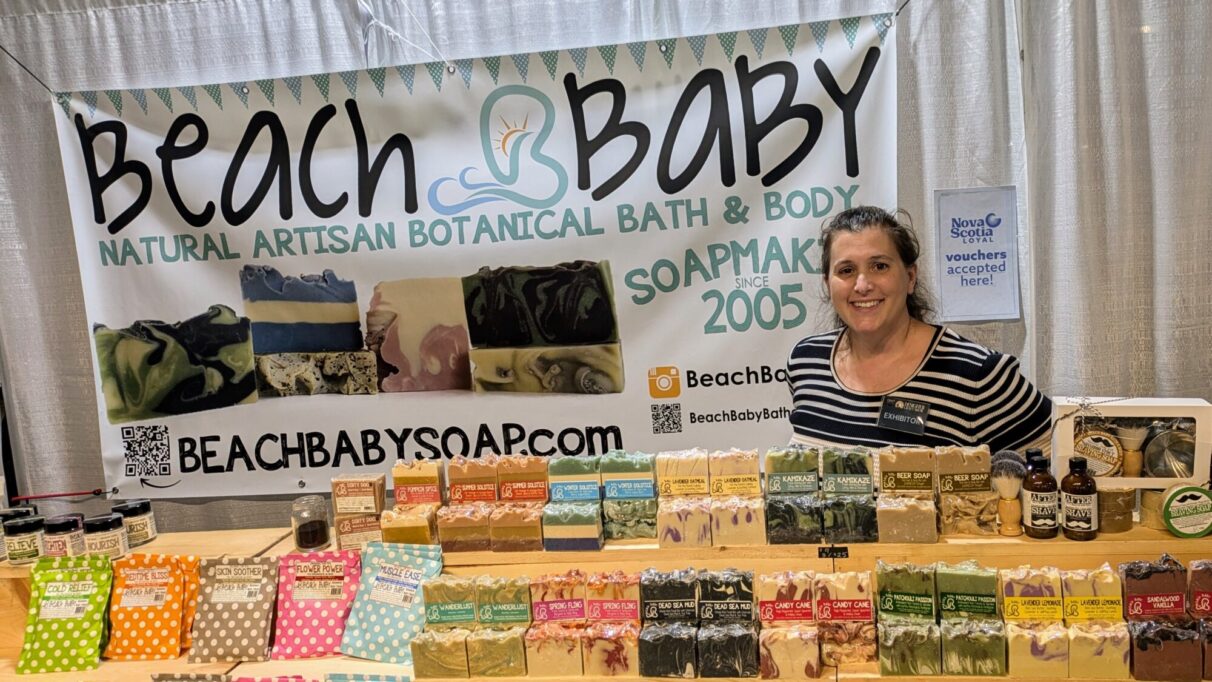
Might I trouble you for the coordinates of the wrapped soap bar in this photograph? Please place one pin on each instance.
(966, 589)
(414, 524)
(847, 519)
(464, 527)
(728, 650)
(611, 649)
(497, 653)
(1169, 650)
(1100, 650)
(726, 596)
(345, 373)
(668, 650)
(846, 472)
(572, 526)
(573, 479)
(735, 472)
(905, 590)
(793, 519)
(355, 531)
(1205, 631)
(973, 646)
(1092, 594)
(1154, 589)
(516, 527)
(1031, 594)
(590, 369)
(1037, 649)
(910, 647)
(669, 596)
(627, 519)
(311, 584)
(1115, 509)
(843, 597)
(627, 475)
(417, 482)
(417, 328)
(684, 522)
(388, 609)
(472, 479)
(1199, 588)
(450, 602)
(907, 471)
(522, 478)
(963, 469)
(682, 472)
(847, 642)
(502, 602)
(239, 591)
(792, 469)
(613, 597)
(785, 597)
(67, 595)
(789, 652)
(553, 650)
(359, 494)
(902, 518)
(558, 597)
(738, 521)
(968, 513)
(440, 654)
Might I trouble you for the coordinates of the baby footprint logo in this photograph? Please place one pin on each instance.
(510, 151)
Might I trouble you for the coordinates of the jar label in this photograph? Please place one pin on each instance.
(24, 548)
(1039, 509)
(141, 529)
(1188, 512)
(1079, 512)
(111, 543)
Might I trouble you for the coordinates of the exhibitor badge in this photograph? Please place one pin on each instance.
(906, 416)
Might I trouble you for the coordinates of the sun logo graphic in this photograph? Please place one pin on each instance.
(513, 155)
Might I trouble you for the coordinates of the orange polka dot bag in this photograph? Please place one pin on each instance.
(146, 608)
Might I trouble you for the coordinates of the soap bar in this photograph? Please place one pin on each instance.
(611, 649)
(906, 471)
(910, 647)
(734, 472)
(1037, 649)
(843, 597)
(157, 369)
(440, 654)
(417, 482)
(684, 522)
(287, 374)
(1100, 650)
(627, 519)
(1154, 589)
(415, 524)
(1199, 592)
(516, 527)
(785, 597)
(682, 472)
(1031, 594)
(669, 596)
(572, 479)
(1205, 631)
(305, 314)
(502, 602)
(963, 469)
(974, 647)
(553, 650)
(613, 597)
(738, 521)
(522, 478)
(472, 479)
(728, 650)
(849, 518)
(558, 597)
(417, 328)
(564, 304)
(792, 469)
(359, 493)
(464, 527)
(847, 642)
(1166, 650)
(905, 590)
(793, 519)
(572, 526)
(966, 589)
(1115, 509)
(968, 513)
(1092, 594)
(450, 602)
(497, 653)
(627, 475)
(591, 369)
(846, 472)
(726, 596)
(668, 650)
(789, 652)
(906, 519)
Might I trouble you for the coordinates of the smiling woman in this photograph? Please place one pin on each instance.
(886, 376)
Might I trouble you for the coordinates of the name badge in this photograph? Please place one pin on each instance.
(907, 416)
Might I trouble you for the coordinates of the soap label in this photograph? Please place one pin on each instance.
(906, 603)
(1188, 512)
(513, 612)
(844, 609)
(670, 609)
(66, 600)
(1149, 605)
(237, 584)
(318, 581)
(451, 612)
(962, 602)
(965, 483)
(144, 587)
(356, 532)
(1093, 608)
(846, 484)
(614, 609)
(726, 611)
(24, 548)
(1079, 512)
(560, 609)
(355, 497)
(418, 493)
(524, 491)
(684, 485)
(744, 485)
(1201, 602)
(804, 482)
(785, 610)
(629, 489)
(65, 544)
(140, 529)
(473, 492)
(572, 491)
(906, 481)
(1039, 509)
(1033, 608)
(396, 585)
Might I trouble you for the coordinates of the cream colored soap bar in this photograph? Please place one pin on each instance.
(738, 521)
(1100, 650)
(684, 522)
(414, 524)
(1037, 650)
(417, 482)
(472, 479)
(682, 472)
(906, 471)
(553, 650)
(735, 472)
(1031, 594)
(785, 597)
(1092, 594)
(906, 519)
(611, 650)
(847, 642)
(963, 470)
(789, 652)
(843, 597)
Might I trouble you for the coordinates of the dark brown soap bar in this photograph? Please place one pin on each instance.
(667, 650)
(728, 651)
(1199, 597)
(726, 596)
(1205, 630)
(1154, 590)
(1167, 650)
(669, 596)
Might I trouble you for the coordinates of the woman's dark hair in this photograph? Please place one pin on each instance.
(860, 218)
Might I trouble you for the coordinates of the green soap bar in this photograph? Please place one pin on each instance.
(572, 513)
(622, 462)
(792, 459)
(630, 518)
(855, 461)
(975, 647)
(572, 466)
(849, 518)
(966, 589)
(497, 653)
(450, 602)
(910, 647)
(439, 654)
(905, 590)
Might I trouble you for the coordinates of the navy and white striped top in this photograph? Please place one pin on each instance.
(976, 395)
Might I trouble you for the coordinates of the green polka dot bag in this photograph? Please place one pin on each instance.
(66, 624)
(389, 610)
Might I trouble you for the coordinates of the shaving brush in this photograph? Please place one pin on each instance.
(1007, 475)
(1008, 454)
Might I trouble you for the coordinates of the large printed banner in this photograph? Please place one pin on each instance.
(562, 252)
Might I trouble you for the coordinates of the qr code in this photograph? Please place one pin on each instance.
(146, 451)
(667, 418)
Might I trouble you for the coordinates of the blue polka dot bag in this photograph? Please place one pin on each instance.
(389, 610)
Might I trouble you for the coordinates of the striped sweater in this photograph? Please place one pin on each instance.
(976, 395)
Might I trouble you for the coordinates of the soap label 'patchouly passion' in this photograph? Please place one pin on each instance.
(962, 603)
(1150, 605)
(906, 603)
(1033, 608)
(844, 609)
(396, 585)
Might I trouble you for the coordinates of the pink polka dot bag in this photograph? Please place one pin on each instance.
(315, 593)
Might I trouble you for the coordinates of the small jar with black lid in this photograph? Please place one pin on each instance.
(65, 535)
(309, 521)
(24, 539)
(139, 519)
(8, 514)
(105, 534)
